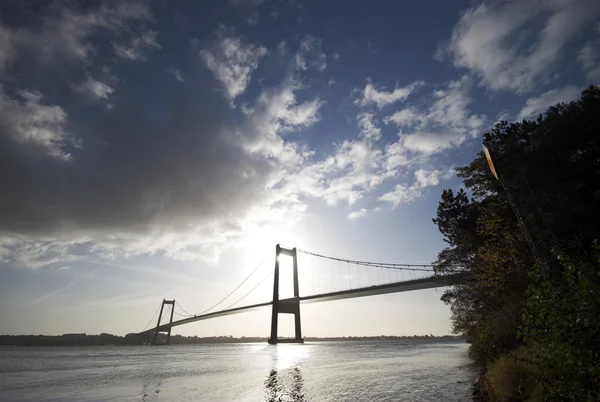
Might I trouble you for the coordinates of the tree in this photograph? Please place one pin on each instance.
(546, 305)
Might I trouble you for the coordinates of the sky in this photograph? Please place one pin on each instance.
(156, 149)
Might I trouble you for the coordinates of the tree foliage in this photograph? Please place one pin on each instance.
(545, 303)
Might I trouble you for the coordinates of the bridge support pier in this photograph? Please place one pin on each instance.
(158, 327)
(290, 306)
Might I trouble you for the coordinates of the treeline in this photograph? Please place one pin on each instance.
(109, 339)
(530, 301)
(66, 340)
(134, 339)
(386, 338)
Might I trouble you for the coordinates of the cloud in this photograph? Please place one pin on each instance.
(404, 194)
(175, 73)
(494, 40)
(357, 214)
(381, 98)
(404, 117)
(589, 57)
(447, 122)
(64, 32)
(427, 178)
(96, 89)
(368, 126)
(199, 176)
(537, 105)
(276, 112)
(34, 127)
(232, 61)
(185, 183)
(401, 194)
(185, 194)
(134, 48)
(310, 54)
(428, 143)
(20, 250)
(192, 191)
(354, 169)
(135, 188)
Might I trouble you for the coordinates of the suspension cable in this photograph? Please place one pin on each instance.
(154, 315)
(182, 309)
(181, 315)
(251, 290)
(233, 291)
(405, 267)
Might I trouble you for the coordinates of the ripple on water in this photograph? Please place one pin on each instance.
(317, 371)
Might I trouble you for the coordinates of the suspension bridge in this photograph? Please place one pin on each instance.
(345, 280)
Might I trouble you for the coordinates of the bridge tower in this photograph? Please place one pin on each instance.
(290, 307)
(158, 328)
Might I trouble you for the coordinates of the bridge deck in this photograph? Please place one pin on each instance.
(396, 287)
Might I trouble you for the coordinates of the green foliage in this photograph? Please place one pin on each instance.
(561, 325)
(510, 298)
(512, 378)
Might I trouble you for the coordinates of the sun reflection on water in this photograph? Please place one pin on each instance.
(290, 355)
(285, 387)
(285, 381)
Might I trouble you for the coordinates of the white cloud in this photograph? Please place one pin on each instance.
(175, 73)
(432, 142)
(345, 175)
(446, 123)
(34, 253)
(396, 156)
(357, 214)
(310, 54)
(233, 61)
(381, 98)
(275, 113)
(95, 89)
(30, 121)
(494, 40)
(537, 105)
(134, 49)
(403, 194)
(354, 169)
(357, 168)
(404, 117)
(427, 178)
(368, 126)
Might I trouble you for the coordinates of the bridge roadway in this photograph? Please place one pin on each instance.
(435, 281)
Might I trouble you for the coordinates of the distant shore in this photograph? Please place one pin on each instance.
(131, 339)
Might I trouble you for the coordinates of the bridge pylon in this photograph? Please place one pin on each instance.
(158, 326)
(290, 306)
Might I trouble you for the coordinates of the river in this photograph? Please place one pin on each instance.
(317, 371)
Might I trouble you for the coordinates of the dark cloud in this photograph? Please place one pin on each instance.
(173, 162)
(162, 158)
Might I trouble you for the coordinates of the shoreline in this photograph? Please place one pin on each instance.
(131, 340)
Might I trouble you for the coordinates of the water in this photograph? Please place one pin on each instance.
(319, 371)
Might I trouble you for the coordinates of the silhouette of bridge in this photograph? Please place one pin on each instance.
(421, 277)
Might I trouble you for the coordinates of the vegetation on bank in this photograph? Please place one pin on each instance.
(133, 339)
(530, 314)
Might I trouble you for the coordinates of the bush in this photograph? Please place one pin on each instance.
(511, 378)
